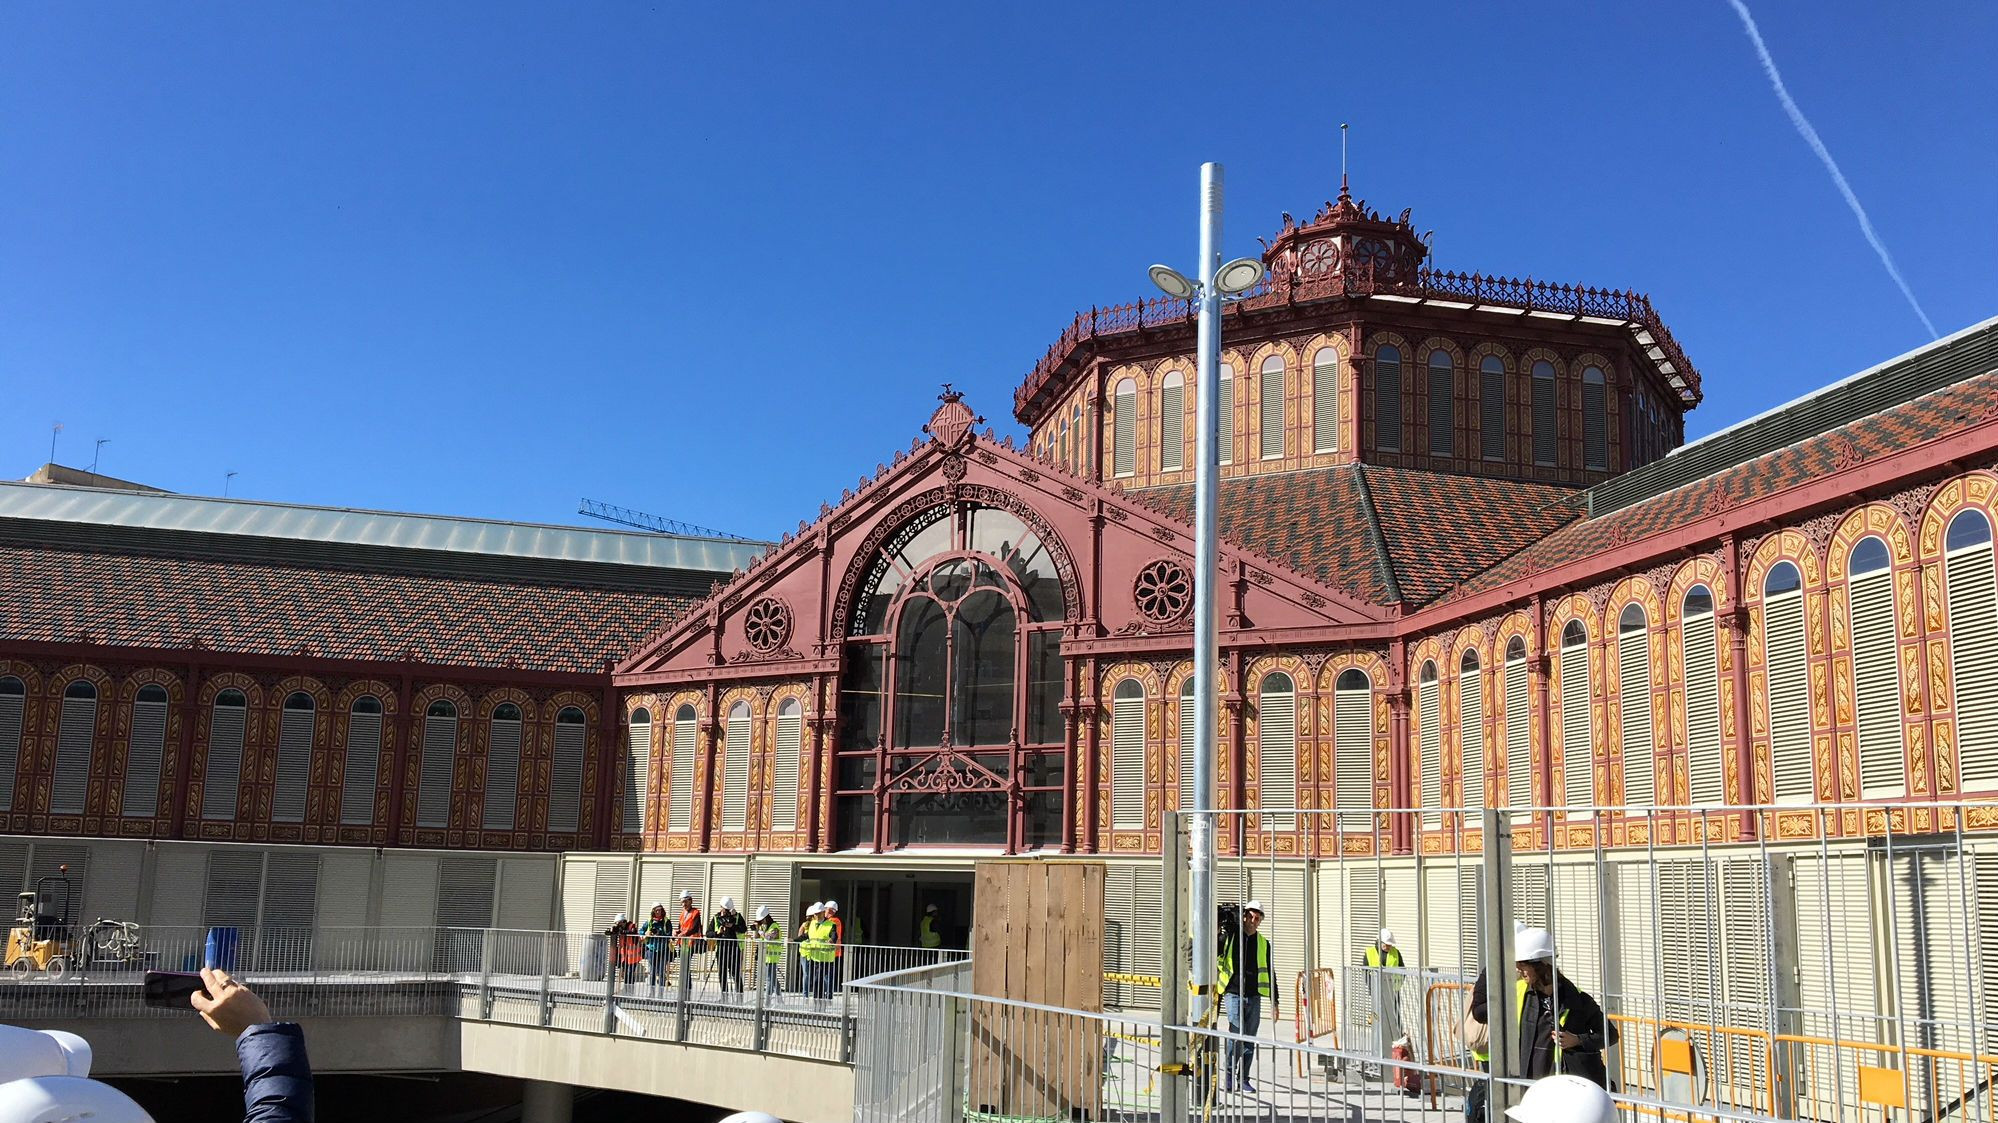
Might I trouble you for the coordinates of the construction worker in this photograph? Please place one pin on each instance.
(831, 916)
(625, 949)
(657, 932)
(926, 932)
(726, 930)
(1564, 1099)
(688, 934)
(1246, 980)
(820, 949)
(1561, 1028)
(765, 930)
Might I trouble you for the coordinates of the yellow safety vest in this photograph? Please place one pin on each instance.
(1225, 967)
(930, 936)
(773, 943)
(1374, 956)
(1519, 1014)
(818, 946)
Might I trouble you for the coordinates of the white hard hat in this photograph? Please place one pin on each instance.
(814, 909)
(75, 1050)
(1254, 907)
(763, 912)
(931, 907)
(30, 1052)
(832, 906)
(658, 904)
(1563, 1099)
(65, 1099)
(1387, 935)
(728, 903)
(1534, 943)
(621, 918)
(686, 894)
(751, 1117)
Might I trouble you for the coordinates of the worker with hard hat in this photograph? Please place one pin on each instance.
(832, 918)
(1246, 979)
(1383, 959)
(816, 949)
(926, 932)
(45, 1075)
(727, 930)
(1564, 1098)
(766, 933)
(657, 932)
(687, 932)
(1561, 1027)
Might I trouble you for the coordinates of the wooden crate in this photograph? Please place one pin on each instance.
(1038, 938)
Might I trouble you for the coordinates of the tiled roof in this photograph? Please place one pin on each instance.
(1396, 534)
(1923, 419)
(69, 595)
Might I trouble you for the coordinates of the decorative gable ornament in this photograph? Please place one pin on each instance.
(951, 425)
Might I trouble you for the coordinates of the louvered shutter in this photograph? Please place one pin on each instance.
(142, 758)
(1187, 728)
(1518, 740)
(729, 879)
(1172, 428)
(784, 786)
(290, 905)
(1578, 770)
(433, 793)
(1325, 401)
(579, 894)
(1595, 419)
(1574, 913)
(1353, 751)
(1387, 399)
(1835, 961)
(1127, 758)
(1441, 931)
(1120, 891)
(345, 874)
(1470, 914)
(409, 891)
(1546, 435)
(1271, 421)
(1363, 925)
(1442, 405)
(13, 868)
(1225, 422)
(565, 777)
(1429, 713)
(235, 885)
(226, 726)
(770, 883)
(1746, 934)
(1633, 672)
(735, 773)
(465, 892)
(1124, 447)
(1471, 736)
(1276, 734)
(659, 882)
(1287, 928)
(637, 771)
(526, 894)
(613, 893)
(502, 774)
(72, 763)
(185, 865)
(1789, 696)
(1876, 685)
(294, 765)
(115, 868)
(1702, 700)
(680, 780)
(363, 753)
(1491, 408)
(13, 710)
(1973, 641)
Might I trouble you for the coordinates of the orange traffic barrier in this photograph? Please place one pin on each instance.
(1316, 1007)
(1931, 1083)
(1736, 1062)
(1443, 1006)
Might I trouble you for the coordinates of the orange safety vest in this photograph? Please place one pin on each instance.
(839, 936)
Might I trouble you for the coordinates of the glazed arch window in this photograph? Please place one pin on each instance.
(1276, 744)
(1067, 460)
(1876, 670)
(363, 755)
(1325, 400)
(439, 754)
(790, 738)
(1595, 419)
(1633, 684)
(1270, 403)
(735, 769)
(13, 715)
(565, 769)
(1429, 743)
(950, 729)
(228, 720)
(294, 757)
(679, 773)
(1699, 654)
(1786, 684)
(1578, 752)
(1353, 748)
(1387, 398)
(1124, 439)
(1491, 407)
(1187, 728)
(1518, 724)
(503, 731)
(143, 758)
(1471, 731)
(1172, 423)
(73, 741)
(1127, 756)
(1546, 416)
(1442, 404)
(1971, 591)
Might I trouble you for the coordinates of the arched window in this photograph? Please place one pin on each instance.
(1187, 728)
(1699, 654)
(1518, 717)
(1471, 730)
(1972, 592)
(363, 754)
(13, 715)
(1491, 407)
(502, 768)
(1067, 459)
(143, 757)
(1172, 423)
(953, 662)
(294, 757)
(1633, 687)
(1127, 756)
(1787, 684)
(1595, 419)
(73, 741)
(790, 738)
(1876, 670)
(1442, 404)
(679, 774)
(1124, 438)
(1276, 741)
(1429, 743)
(1325, 400)
(1546, 415)
(228, 719)
(1578, 753)
(440, 749)
(565, 768)
(1387, 398)
(638, 771)
(1353, 746)
(1080, 462)
(735, 770)
(1271, 406)
(1224, 405)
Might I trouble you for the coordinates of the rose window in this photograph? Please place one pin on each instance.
(1163, 591)
(1319, 258)
(767, 625)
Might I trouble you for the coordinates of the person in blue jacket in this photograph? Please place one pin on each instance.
(277, 1078)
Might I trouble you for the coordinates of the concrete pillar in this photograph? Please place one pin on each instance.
(543, 1101)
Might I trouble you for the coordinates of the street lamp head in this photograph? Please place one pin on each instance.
(1172, 281)
(1238, 276)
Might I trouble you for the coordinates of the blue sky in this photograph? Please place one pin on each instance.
(712, 261)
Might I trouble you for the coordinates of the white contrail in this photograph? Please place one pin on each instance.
(1810, 136)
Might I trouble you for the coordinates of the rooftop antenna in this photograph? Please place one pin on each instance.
(1342, 157)
(53, 434)
(94, 455)
(227, 479)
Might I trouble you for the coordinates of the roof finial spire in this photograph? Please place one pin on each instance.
(1344, 194)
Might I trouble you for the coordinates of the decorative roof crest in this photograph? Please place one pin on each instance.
(951, 425)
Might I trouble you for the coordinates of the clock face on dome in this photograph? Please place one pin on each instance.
(1319, 258)
(1371, 251)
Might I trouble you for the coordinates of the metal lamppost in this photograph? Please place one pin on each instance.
(1217, 282)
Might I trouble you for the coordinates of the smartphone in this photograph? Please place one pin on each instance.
(169, 989)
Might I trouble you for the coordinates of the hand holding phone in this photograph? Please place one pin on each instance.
(170, 989)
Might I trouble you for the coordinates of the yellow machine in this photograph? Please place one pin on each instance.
(41, 937)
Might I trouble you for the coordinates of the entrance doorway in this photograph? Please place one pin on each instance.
(886, 907)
